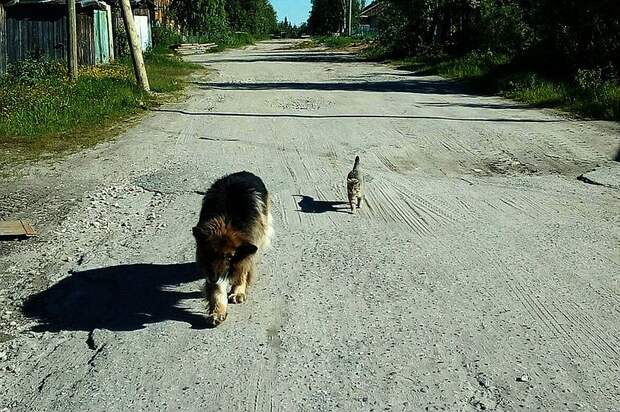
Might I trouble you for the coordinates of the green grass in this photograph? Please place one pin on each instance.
(42, 112)
(342, 42)
(167, 72)
(334, 42)
(499, 74)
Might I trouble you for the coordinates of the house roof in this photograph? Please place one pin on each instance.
(372, 9)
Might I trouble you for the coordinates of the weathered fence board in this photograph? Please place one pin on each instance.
(16, 228)
(3, 45)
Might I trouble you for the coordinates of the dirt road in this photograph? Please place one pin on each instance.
(479, 274)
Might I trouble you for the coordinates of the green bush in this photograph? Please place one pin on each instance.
(35, 69)
(502, 27)
(335, 41)
(164, 37)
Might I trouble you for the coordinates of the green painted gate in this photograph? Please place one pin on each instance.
(102, 45)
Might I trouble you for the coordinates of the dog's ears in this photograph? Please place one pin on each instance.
(199, 232)
(245, 250)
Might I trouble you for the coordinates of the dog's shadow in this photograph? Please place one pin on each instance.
(117, 298)
(308, 204)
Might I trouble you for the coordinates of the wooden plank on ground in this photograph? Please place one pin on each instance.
(16, 228)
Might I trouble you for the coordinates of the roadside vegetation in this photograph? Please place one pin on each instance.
(227, 23)
(548, 53)
(165, 38)
(330, 16)
(42, 111)
(588, 94)
(284, 29)
(335, 42)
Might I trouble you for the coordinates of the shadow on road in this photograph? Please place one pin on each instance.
(307, 204)
(357, 116)
(504, 105)
(286, 56)
(117, 298)
(417, 85)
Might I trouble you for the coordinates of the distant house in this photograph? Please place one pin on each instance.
(161, 16)
(38, 28)
(369, 17)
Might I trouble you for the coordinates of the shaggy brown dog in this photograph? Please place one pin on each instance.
(234, 227)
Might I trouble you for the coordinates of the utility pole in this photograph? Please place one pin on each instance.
(72, 52)
(134, 46)
(349, 28)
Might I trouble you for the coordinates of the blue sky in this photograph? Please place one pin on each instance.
(295, 10)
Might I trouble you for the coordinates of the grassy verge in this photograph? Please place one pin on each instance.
(235, 41)
(42, 112)
(587, 94)
(341, 42)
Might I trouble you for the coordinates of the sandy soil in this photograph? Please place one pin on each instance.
(480, 272)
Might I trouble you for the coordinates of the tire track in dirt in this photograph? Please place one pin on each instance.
(387, 163)
(522, 295)
(579, 322)
(490, 205)
(582, 336)
(394, 211)
(262, 395)
(285, 196)
(574, 143)
(279, 210)
(533, 306)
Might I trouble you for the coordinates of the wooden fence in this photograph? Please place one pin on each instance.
(41, 30)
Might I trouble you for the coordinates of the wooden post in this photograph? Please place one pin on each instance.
(349, 28)
(72, 52)
(134, 46)
(108, 10)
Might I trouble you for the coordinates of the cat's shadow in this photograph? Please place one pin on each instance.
(308, 204)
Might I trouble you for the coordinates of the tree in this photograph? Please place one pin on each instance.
(561, 35)
(330, 16)
(216, 18)
(205, 16)
(253, 16)
(289, 30)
